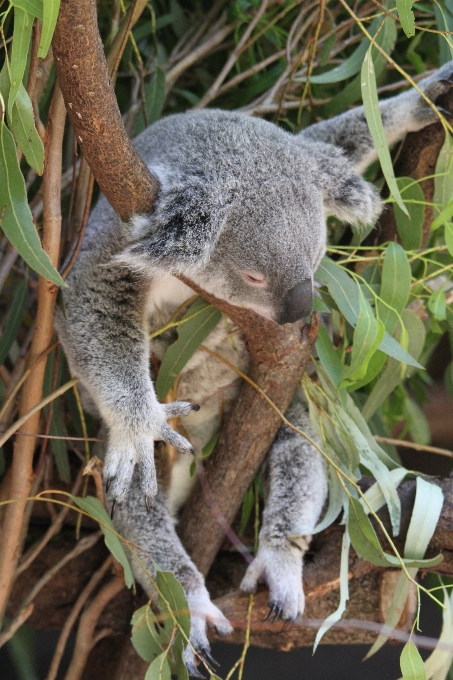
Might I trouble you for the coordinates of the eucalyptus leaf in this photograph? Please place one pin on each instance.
(428, 504)
(443, 181)
(23, 127)
(148, 637)
(190, 336)
(344, 591)
(327, 355)
(33, 7)
(15, 216)
(23, 23)
(444, 216)
(406, 16)
(374, 120)
(395, 286)
(172, 592)
(412, 666)
(51, 9)
(94, 508)
(409, 222)
(159, 669)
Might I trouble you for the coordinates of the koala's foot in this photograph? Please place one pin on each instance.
(436, 85)
(129, 446)
(203, 614)
(281, 568)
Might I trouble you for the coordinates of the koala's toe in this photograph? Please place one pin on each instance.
(176, 440)
(120, 482)
(249, 583)
(179, 409)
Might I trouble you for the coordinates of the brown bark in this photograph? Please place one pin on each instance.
(93, 110)
(278, 358)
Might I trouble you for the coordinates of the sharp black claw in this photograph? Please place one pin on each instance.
(446, 81)
(112, 511)
(209, 659)
(278, 613)
(195, 407)
(107, 484)
(445, 111)
(147, 504)
(192, 451)
(272, 608)
(194, 671)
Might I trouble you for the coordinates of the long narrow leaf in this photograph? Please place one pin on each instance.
(49, 19)
(23, 23)
(15, 216)
(374, 120)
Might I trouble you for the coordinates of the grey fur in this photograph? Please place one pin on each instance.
(238, 195)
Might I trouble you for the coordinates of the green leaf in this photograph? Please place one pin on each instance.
(22, 125)
(443, 181)
(13, 319)
(439, 662)
(449, 237)
(374, 496)
(155, 92)
(33, 7)
(444, 216)
(328, 357)
(15, 216)
(345, 291)
(406, 16)
(190, 336)
(159, 669)
(149, 638)
(374, 120)
(49, 19)
(23, 23)
(395, 286)
(409, 222)
(437, 304)
(366, 543)
(392, 376)
(344, 591)
(171, 591)
(368, 335)
(96, 510)
(428, 504)
(412, 666)
(336, 499)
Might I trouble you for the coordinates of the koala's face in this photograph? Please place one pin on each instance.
(267, 252)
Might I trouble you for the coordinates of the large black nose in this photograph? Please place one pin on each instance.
(298, 302)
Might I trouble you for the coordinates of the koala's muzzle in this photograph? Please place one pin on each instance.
(298, 302)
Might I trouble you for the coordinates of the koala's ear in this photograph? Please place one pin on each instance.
(345, 193)
(181, 231)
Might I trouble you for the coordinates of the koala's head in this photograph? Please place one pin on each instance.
(242, 208)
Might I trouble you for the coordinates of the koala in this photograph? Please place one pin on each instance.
(241, 212)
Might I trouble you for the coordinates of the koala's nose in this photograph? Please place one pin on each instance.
(298, 302)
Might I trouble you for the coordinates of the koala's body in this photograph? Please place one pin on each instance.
(241, 212)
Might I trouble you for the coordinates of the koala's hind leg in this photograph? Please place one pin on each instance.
(407, 112)
(296, 495)
(155, 533)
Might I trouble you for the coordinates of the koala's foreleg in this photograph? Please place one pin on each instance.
(407, 112)
(296, 495)
(105, 337)
(155, 533)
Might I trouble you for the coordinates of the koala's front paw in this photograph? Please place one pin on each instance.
(134, 445)
(203, 613)
(281, 568)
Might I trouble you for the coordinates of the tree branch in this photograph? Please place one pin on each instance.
(93, 110)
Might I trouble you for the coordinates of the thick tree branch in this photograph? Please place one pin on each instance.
(93, 110)
(278, 357)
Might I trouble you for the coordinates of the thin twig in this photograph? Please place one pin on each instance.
(414, 445)
(16, 624)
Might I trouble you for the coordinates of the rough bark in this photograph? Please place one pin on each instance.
(278, 358)
(93, 110)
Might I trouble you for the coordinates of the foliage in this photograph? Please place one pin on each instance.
(390, 303)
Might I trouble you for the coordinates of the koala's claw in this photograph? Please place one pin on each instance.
(112, 510)
(275, 612)
(206, 656)
(193, 670)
